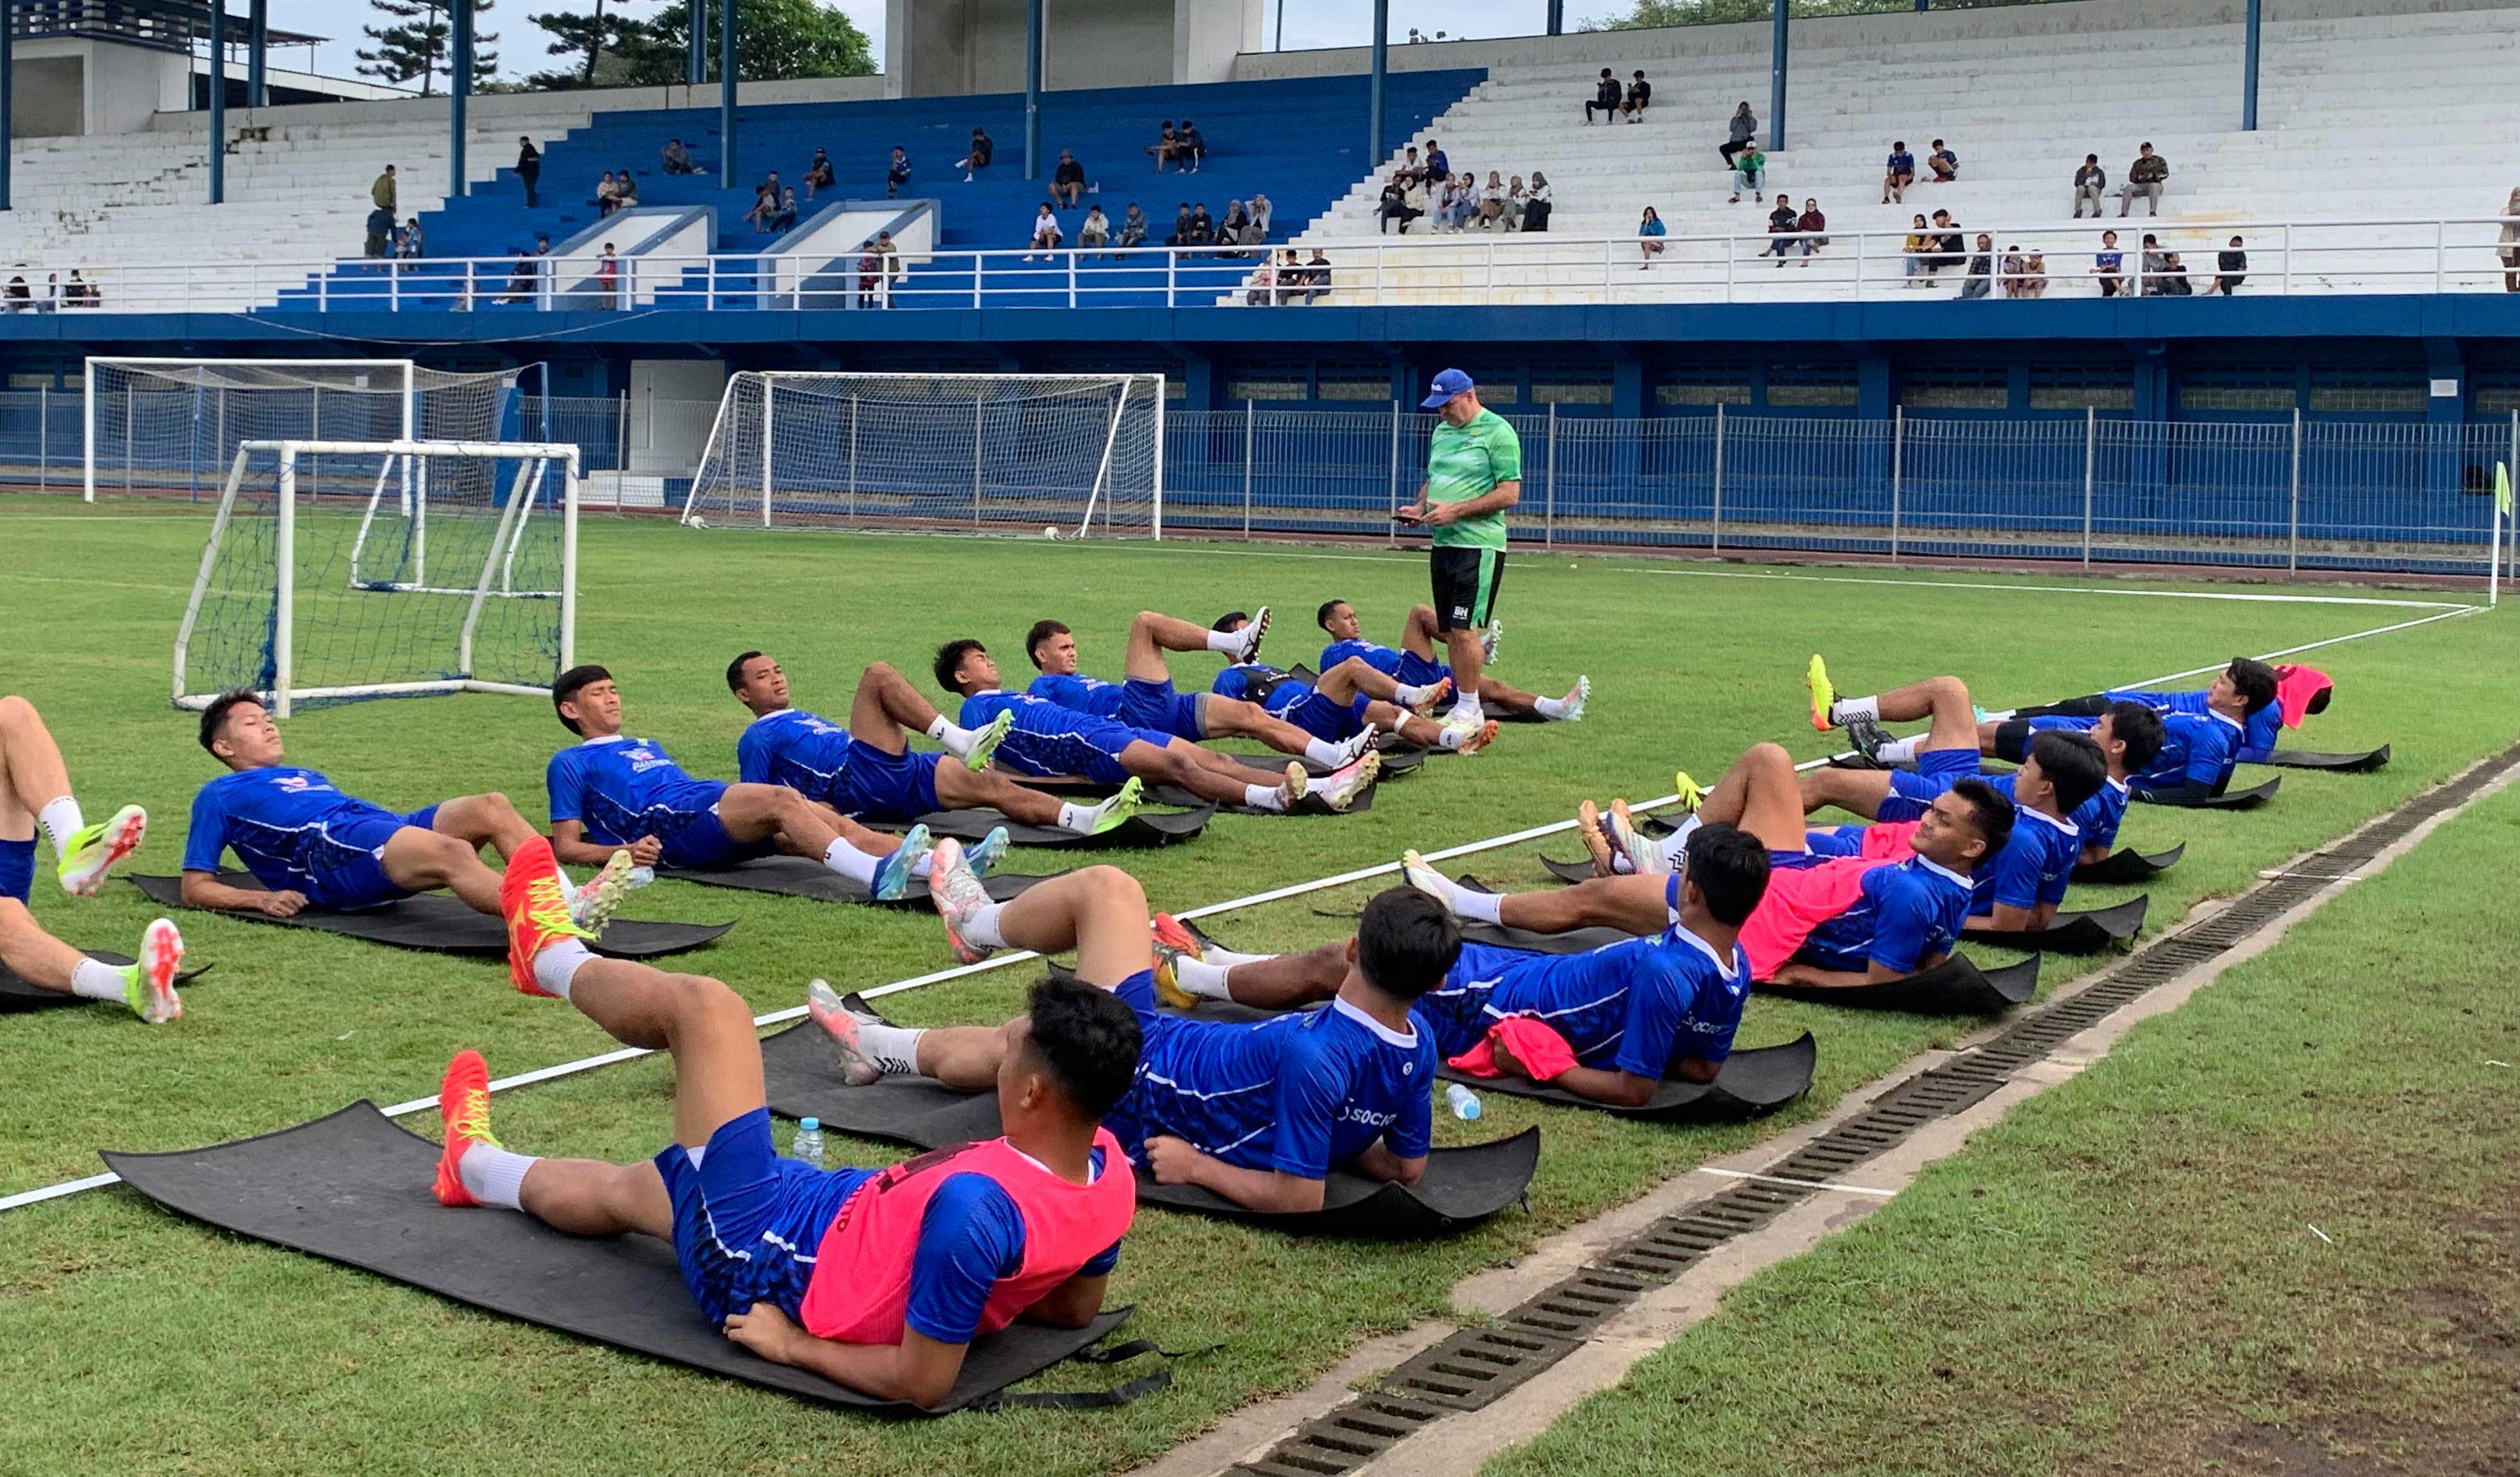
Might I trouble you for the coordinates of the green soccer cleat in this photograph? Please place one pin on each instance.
(985, 746)
(1824, 697)
(94, 849)
(1114, 812)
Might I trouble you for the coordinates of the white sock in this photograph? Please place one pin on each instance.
(1855, 707)
(1478, 906)
(1079, 818)
(894, 1048)
(1203, 979)
(565, 885)
(1326, 754)
(924, 866)
(1465, 710)
(981, 927)
(1217, 954)
(1900, 751)
(92, 979)
(60, 820)
(1229, 642)
(1551, 708)
(1265, 797)
(1410, 697)
(557, 966)
(1453, 735)
(1678, 842)
(957, 739)
(493, 1176)
(849, 861)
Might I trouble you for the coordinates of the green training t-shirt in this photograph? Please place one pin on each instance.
(1469, 461)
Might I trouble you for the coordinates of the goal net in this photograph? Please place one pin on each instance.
(1078, 453)
(172, 427)
(346, 569)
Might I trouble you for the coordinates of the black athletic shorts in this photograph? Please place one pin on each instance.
(2013, 740)
(1464, 581)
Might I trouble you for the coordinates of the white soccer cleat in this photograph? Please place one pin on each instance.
(1354, 744)
(94, 849)
(1295, 786)
(1254, 631)
(1419, 874)
(1340, 788)
(957, 895)
(1491, 638)
(152, 988)
(1576, 698)
(1641, 854)
(841, 1022)
(1470, 738)
(594, 904)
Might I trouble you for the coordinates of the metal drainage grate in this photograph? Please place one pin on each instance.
(1474, 1366)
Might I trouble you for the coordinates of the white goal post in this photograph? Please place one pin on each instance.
(342, 570)
(1074, 453)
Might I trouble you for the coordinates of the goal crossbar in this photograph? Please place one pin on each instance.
(402, 372)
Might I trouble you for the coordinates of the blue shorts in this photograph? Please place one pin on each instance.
(1913, 792)
(1091, 750)
(1417, 671)
(748, 1222)
(1322, 717)
(1793, 861)
(1455, 1011)
(699, 839)
(1127, 1121)
(1157, 707)
(17, 869)
(349, 874)
(1834, 841)
(874, 785)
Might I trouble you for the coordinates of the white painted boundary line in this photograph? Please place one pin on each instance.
(1275, 895)
(1807, 1184)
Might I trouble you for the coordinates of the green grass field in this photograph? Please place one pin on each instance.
(162, 1347)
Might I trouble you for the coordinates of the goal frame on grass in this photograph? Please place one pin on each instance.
(512, 516)
(743, 487)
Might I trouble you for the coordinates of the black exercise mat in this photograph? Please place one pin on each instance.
(2128, 865)
(2312, 759)
(440, 923)
(16, 995)
(1955, 987)
(1310, 805)
(1460, 1186)
(1567, 871)
(354, 1188)
(800, 877)
(2229, 800)
(1147, 828)
(1752, 1083)
(2075, 933)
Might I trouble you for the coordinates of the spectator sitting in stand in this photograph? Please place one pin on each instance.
(19, 299)
(1945, 163)
(2149, 274)
(896, 173)
(785, 217)
(1917, 249)
(625, 190)
(1413, 202)
(409, 245)
(1317, 276)
(1203, 228)
(1750, 170)
(1167, 146)
(1409, 168)
(817, 173)
(1814, 227)
(2174, 278)
(1045, 231)
(520, 279)
(2009, 271)
(1132, 227)
(1263, 291)
(1491, 202)
(1516, 202)
(1439, 167)
(1743, 127)
(2145, 178)
(2090, 182)
(2034, 274)
(1067, 181)
(765, 205)
(977, 158)
(606, 196)
(677, 159)
(1901, 173)
(1649, 234)
(1229, 231)
(1981, 267)
(1639, 98)
(1607, 98)
(1181, 227)
(1780, 225)
(1461, 202)
(2108, 264)
(1537, 204)
(1194, 145)
(1264, 215)
(2232, 264)
(1096, 230)
(1950, 246)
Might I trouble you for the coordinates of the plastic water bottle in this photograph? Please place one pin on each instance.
(808, 1143)
(1464, 1102)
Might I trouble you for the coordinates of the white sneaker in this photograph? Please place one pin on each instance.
(1340, 788)
(1253, 632)
(1423, 876)
(1491, 638)
(957, 895)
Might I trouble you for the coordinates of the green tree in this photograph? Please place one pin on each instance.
(778, 40)
(417, 43)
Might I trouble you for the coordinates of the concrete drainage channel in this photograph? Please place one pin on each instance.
(1472, 1368)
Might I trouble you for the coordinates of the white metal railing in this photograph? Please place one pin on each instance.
(2446, 254)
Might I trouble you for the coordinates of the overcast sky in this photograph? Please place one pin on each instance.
(1308, 24)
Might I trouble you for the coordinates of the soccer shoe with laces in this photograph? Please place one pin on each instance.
(1643, 855)
(1436, 696)
(1340, 787)
(893, 873)
(1254, 631)
(957, 896)
(1419, 873)
(1114, 812)
(1689, 793)
(1173, 943)
(987, 738)
(1824, 697)
(94, 849)
(841, 1019)
(1489, 638)
(1474, 736)
(1597, 840)
(983, 855)
(1295, 785)
(595, 903)
(1355, 744)
(463, 1106)
(535, 904)
(1866, 737)
(1576, 698)
(150, 989)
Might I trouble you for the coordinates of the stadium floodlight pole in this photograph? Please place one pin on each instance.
(257, 54)
(2249, 38)
(1558, 18)
(459, 88)
(1782, 11)
(696, 64)
(8, 66)
(726, 70)
(1032, 88)
(218, 135)
(1382, 67)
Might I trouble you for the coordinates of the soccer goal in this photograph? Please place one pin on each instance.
(344, 570)
(1077, 454)
(171, 427)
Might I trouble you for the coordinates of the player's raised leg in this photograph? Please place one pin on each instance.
(1343, 683)
(799, 827)
(1187, 972)
(1947, 751)
(35, 795)
(1153, 633)
(886, 704)
(147, 986)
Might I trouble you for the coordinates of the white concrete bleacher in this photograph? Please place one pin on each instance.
(2382, 116)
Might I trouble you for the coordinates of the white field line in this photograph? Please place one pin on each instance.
(1808, 1184)
(1252, 899)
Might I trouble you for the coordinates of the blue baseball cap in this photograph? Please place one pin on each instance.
(1450, 382)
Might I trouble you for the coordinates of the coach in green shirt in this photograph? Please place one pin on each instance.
(1473, 474)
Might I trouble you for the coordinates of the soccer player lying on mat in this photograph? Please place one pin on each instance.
(35, 795)
(2203, 730)
(1632, 1014)
(1048, 741)
(1829, 917)
(611, 790)
(309, 843)
(2129, 735)
(877, 1279)
(2017, 889)
(867, 770)
(1414, 662)
(1147, 699)
(1258, 1114)
(1350, 700)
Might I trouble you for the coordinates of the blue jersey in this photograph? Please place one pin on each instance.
(1400, 666)
(1050, 740)
(1908, 913)
(793, 748)
(294, 831)
(1302, 1094)
(1078, 691)
(2100, 816)
(1295, 702)
(1632, 1006)
(2258, 732)
(621, 789)
(2035, 864)
(2202, 742)
(1257, 683)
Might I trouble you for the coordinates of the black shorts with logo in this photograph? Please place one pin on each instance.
(1464, 581)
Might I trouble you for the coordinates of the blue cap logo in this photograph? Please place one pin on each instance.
(1450, 382)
